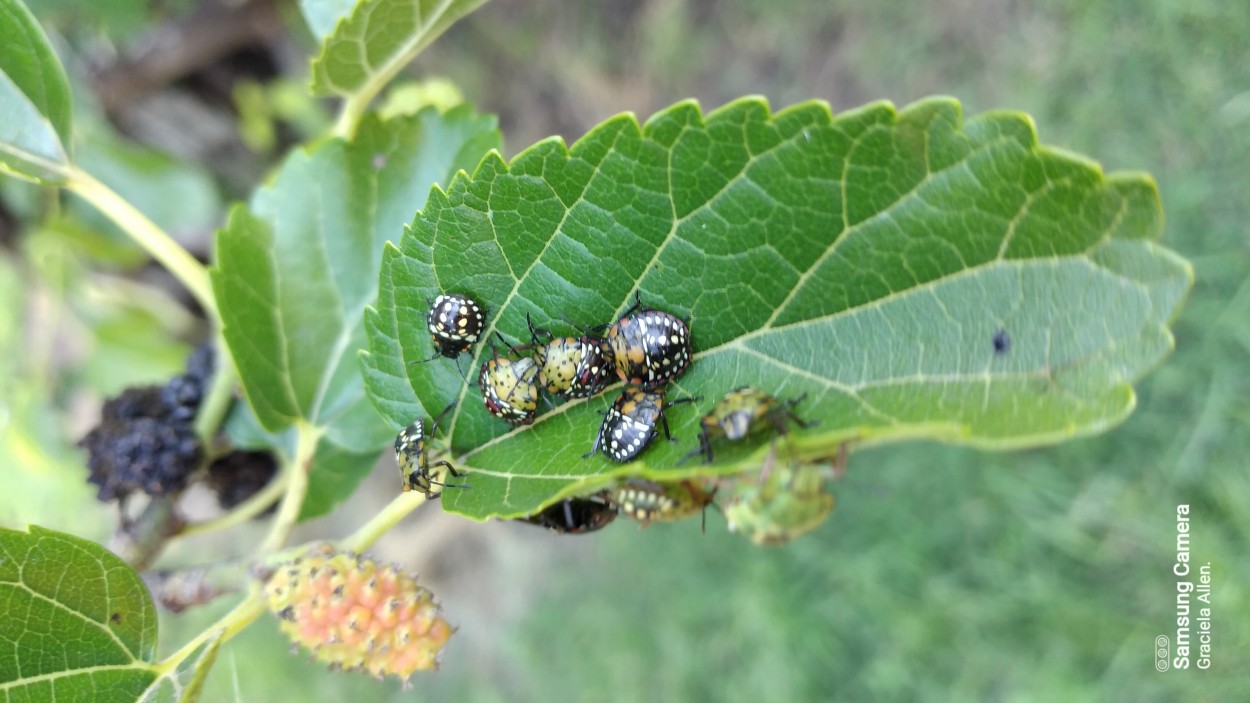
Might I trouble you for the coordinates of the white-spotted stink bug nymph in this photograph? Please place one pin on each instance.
(649, 347)
(630, 424)
(455, 323)
(415, 470)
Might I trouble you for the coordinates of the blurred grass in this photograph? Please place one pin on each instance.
(944, 574)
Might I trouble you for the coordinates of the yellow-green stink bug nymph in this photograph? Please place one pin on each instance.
(783, 500)
(742, 412)
(660, 501)
(415, 470)
(572, 367)
(509, 387)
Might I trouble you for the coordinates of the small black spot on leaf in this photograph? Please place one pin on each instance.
(1002, 343)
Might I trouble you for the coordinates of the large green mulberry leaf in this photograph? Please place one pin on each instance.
(914, 274)
(78, 622)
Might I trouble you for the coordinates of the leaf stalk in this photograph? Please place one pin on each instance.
(383, 521)
(153, 239)
(295, 469)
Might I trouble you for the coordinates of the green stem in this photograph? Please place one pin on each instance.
(156, 241)
(350, 113)
(228, 626)
(220, 394)
(360, 540)
(389, 516)
(251, 607)
(296, 472)
(248, 509)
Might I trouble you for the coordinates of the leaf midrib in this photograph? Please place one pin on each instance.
(351, 318)
(738, 344)
(414, 43)
(137, 665)
(847, 233)
(57, 167)
(849, 230)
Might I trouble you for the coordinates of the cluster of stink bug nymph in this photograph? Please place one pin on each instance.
(645, 349)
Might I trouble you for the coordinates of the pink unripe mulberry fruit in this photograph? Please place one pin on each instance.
(358, 615)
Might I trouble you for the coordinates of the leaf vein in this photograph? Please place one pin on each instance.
(78, 615)
(849, 230)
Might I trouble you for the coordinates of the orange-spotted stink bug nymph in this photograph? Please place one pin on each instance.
(650, 347)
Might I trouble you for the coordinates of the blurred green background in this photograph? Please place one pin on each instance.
(944, 573)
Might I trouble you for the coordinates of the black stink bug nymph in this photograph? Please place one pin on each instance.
(575, 516)
(744, 411)
(650, 347)
(455, 323)
(629, 425)
(414, 464)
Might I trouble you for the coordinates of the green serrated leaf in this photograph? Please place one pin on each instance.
(186, 681)
(295, 270)
(78, 624)
(913, 274)
(323, 15)
(378, 39)
(28, 60)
